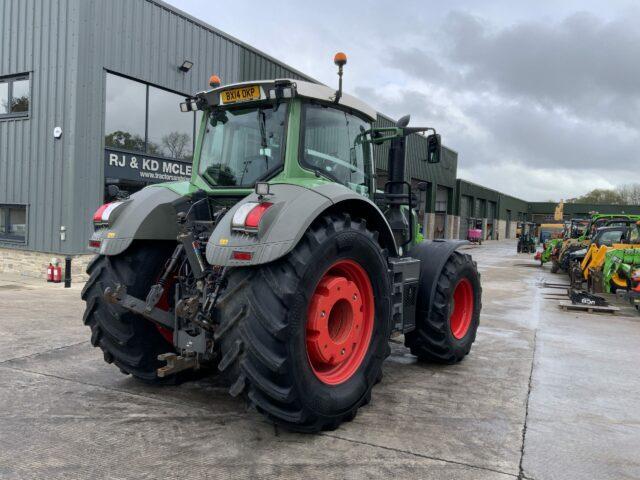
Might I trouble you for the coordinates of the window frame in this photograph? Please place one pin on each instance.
(366, 146)
(146, 119)
(4, 210)
(9, 80)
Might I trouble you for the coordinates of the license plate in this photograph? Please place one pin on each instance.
(242, 94)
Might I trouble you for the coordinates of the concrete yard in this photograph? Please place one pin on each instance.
(545, 394)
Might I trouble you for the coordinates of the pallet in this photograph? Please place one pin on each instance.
(567, 305)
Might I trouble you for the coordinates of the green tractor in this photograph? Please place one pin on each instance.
(278, 265)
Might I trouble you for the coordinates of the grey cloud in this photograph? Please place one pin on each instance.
(582, 65)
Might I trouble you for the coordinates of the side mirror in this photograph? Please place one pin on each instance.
(433, 148)
(423, 186)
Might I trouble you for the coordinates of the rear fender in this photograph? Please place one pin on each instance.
(145, 215)
(433, 254)
(294, 210)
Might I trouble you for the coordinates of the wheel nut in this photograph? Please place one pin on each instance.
(342, 351)
(355, 296)
(322, 314)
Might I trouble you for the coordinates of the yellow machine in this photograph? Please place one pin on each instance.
(606, 239)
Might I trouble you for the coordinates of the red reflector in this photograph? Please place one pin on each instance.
(97, 217)
(237, 255)
(255, 215)
(94, 243)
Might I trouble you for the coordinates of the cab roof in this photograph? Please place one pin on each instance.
(309, 90)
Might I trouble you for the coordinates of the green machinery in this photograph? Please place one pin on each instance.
(617, 270)
(279, 266)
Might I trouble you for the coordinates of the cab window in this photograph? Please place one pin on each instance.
(610, 237)
(332, 145)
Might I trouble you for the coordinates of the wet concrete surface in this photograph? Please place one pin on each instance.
(545, 394)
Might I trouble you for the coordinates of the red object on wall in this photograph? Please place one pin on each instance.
(50, 273)
(57, 274)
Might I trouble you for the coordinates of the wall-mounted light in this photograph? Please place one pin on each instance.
(186, 66)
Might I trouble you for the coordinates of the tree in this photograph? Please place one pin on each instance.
(600, 196)
(630, 193)
(126, 140)
(20, 104)
(177, 145)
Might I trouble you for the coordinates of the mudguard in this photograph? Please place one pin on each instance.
(283, 225)
(433, 254)
(145, 215)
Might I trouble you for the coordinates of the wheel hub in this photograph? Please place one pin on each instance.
(339, 322)
(461, 308)
(335, 320)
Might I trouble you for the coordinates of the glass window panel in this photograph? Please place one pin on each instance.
(4, 98)
(124, 125)
(333, 145)
(20, 96)
(18, 221)
(13, 222)
(170, 130)
(243, 145)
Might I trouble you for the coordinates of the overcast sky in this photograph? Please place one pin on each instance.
(541, 100)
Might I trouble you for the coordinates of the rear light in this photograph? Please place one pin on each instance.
(104, 212)
(248, 215)
(238, 255)
(255, 215)
(95, 243)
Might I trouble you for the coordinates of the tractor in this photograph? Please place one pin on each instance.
(279, 266)
(527, 238)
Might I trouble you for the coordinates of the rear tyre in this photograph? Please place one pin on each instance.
(304, 338)
(129, 341)
(446, 333)
(555, 266)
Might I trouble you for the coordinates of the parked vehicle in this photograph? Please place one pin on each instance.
(527, 238)
(278, 263)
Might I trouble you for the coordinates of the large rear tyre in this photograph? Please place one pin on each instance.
(446, 333)
(304, 338)
(127, 340)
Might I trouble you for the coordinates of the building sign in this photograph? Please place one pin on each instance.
(144, 168)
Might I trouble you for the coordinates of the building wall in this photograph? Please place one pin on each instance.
(34, 264)
(546, 210)
(501, 229)
(41, 37)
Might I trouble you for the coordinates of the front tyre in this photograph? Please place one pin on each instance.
(446, 333)
(304, 338)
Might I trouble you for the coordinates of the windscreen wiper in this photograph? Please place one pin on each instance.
(262, 124)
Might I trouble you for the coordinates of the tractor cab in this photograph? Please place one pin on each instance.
(296, 132)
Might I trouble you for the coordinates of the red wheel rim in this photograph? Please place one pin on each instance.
(461, 308)
(340, 322)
